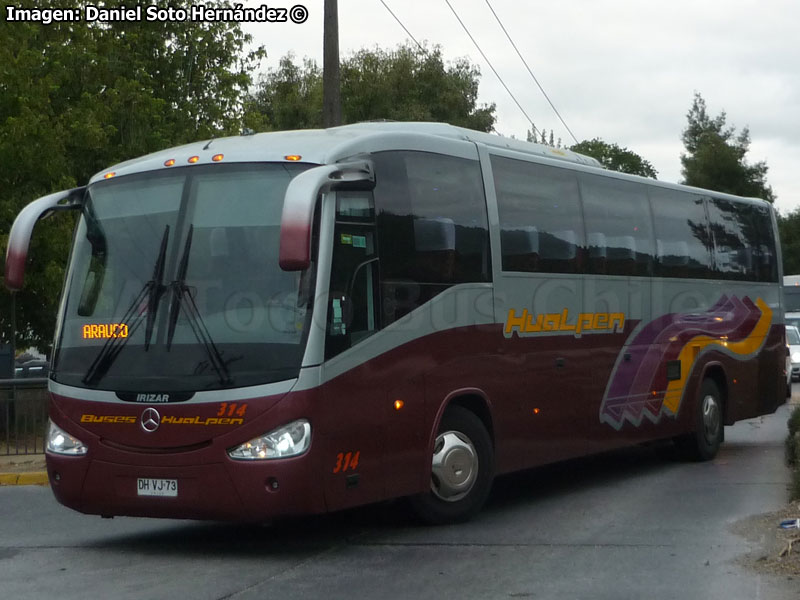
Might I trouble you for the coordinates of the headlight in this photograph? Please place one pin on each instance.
(290, 440)
(60, 442)
(796, 357)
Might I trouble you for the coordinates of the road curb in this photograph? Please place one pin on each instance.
(36, 478)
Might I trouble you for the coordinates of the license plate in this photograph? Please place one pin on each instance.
(157, 487)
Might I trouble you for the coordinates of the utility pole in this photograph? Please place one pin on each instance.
(331, 103)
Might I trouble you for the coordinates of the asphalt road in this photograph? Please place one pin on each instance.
(625, 525)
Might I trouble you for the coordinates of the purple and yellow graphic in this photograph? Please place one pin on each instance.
(649, 379)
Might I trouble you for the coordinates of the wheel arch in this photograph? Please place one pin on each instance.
(716, 372)
(468, 410)
(474, 400)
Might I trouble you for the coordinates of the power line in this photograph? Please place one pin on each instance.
(488, 62)
(524, 62)
(396, 18)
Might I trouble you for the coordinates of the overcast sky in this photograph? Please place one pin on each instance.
(621, 70)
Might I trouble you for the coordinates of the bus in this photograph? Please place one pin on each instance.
(300, 322)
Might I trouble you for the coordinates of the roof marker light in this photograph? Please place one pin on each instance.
(293, 157)
(194, 159)
(217, 157)
(169, 163)
(109, 175)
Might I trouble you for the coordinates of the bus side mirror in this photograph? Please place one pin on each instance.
(301, 197)
(19, 239)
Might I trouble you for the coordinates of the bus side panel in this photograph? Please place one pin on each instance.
(771, 380)
(631, 297)
(351, 426)
(564, 353)
(385, 410)
(543, 371)
(651, 392)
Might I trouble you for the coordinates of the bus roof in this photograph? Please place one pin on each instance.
(327, 146)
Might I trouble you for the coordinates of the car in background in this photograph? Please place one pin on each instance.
(32, 368)
(793, 319)
(793, 341)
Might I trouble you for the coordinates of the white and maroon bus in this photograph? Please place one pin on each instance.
(304, 321)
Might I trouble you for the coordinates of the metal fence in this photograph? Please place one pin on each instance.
(23, 416)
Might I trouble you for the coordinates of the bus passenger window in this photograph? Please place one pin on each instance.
(559, 251)
(622, 254)
(673, 257)
(766, 256)
(683, 237)
(520, 248)
(541, 200)
(734, 241)
(743, 241)
(620, 210)
(598, 253)
(435, 241)
(432, 227)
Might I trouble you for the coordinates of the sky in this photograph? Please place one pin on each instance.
(625, 71)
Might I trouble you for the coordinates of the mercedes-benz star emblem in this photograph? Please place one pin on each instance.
(150, 420)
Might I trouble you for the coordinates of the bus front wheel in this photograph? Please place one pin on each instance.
(462, 469)
(704, 443)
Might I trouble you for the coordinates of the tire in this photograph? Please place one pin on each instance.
(462, 470)
(704, 443)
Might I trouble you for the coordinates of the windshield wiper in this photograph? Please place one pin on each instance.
(182, 299)
(156, 285)
(178, 287)
(152, 291)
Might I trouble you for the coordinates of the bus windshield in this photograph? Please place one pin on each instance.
(174, 283)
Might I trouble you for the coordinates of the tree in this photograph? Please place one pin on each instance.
(287, 98)
(405, 84)
(540, 137)
(611, 156)
(78, 97)
(715, 156)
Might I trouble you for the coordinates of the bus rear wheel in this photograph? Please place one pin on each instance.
(704, 443)
(462, 470)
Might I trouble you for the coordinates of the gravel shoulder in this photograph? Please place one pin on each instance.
(775, 551)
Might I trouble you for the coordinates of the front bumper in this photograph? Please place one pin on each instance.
(222, 489)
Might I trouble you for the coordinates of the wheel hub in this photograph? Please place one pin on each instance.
(455, 466)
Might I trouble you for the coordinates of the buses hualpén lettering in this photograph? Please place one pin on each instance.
(528, 322)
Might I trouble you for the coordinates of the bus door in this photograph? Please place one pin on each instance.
(352, 412)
